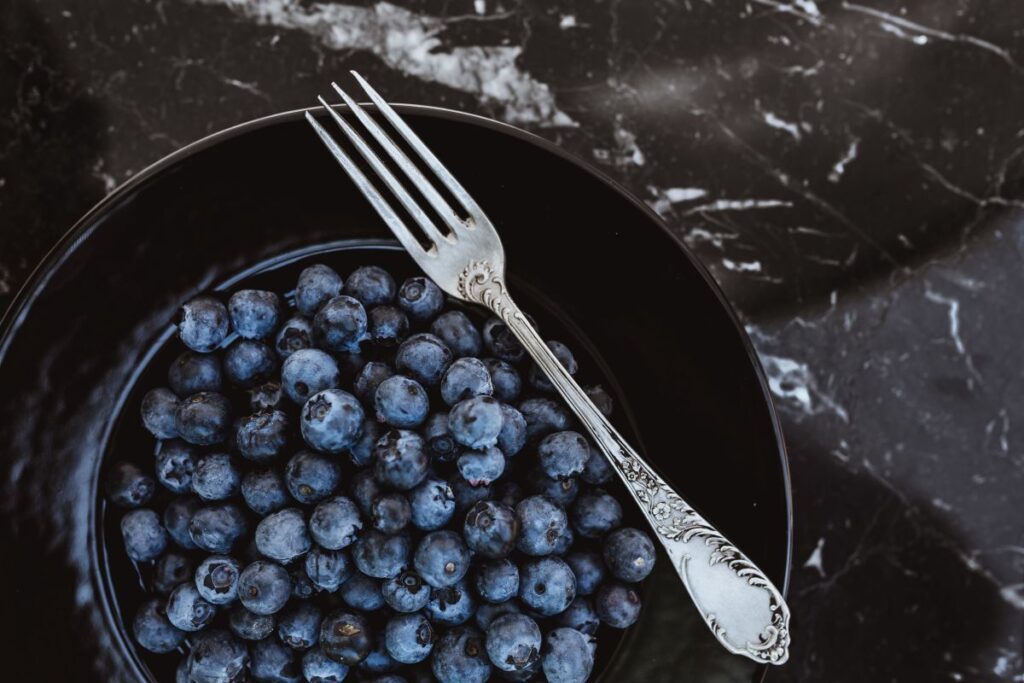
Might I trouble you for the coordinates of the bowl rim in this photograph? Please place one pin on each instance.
(21, 304)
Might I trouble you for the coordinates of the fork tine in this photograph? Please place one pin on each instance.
(382, 171)
(395, 152)
(453, 185)
(398, 227)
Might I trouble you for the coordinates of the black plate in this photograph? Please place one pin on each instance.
(590, 261)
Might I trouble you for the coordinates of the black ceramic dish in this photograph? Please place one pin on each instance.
(591, 263)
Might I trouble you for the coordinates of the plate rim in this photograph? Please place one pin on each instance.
(21, 303)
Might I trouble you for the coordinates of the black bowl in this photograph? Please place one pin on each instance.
(590, 262)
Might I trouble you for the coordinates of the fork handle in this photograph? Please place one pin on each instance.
(746, 613)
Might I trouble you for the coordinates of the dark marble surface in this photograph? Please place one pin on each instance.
(850, 172)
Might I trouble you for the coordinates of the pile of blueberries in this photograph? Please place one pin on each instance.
(357, 480)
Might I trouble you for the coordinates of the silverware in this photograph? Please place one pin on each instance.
(740, 605)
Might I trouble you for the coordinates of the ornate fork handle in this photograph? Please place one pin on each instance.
(737, 601)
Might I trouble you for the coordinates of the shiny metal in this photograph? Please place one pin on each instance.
(740, 605)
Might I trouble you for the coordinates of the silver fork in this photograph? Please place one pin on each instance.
(740, 605)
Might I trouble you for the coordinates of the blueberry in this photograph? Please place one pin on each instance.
(481, 467)
(629, 554)
(249, 625)
(509, 493)
(331, 420)
(282, 536)
(442, 558)
(541, 523)
(364, 489)
(440, 443)
(388, 326)
(512, 436)
(217, 528)
(580, 615)
(340, 325)
(459, 657)
(513, 642)
(361, 452)
(491, 529)
(159, 409)
(406, 592)
(328, 569)
(362, 593)
(177, 517)
(217, 579)
(424, 357)
(568, 656)
(204, 324)
(144, 535)
(458, 333)
(487, 613)
(598, 470)
(401, 402)
(311, 478)
(298, 626)
(307, 372)
(378, 660)
(203, 419)
(401, 459)
(254, 313)
(476, 422)
(302, 587)
(409, 638)
(319, 668)
(504, 379)
(187, 609)
(193, 372)
(497, 580)
(547, 585)
(264, 491)
(248, 363)
(595, 513)
(335, 523)
(390, 513)
(215, 477)
(420, 298)
(563, 492)
(371, 285)
(171, 569)
(369, 378)
(175, 463)
(465, 378)
(217, 657)
(153, 631)
(467, 495)
(543, 416)
(272, 662)
(451, 605)
(317, 284)
(589, 570)
(563, 455)
(128, 486)
(540, 381)
(431, 504)
(501, 342)
(296, 334)
(617, 605)
(381, 556)
(266, 396)
(345, 637)
(264, 587)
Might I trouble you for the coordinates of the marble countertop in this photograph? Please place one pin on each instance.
(850, 172)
